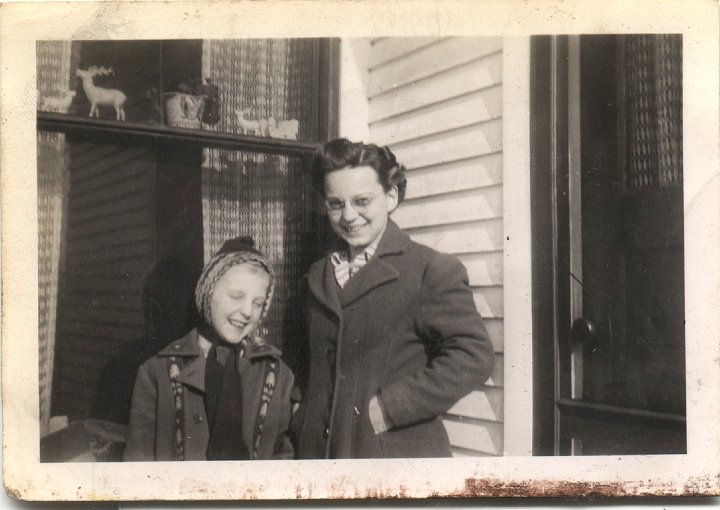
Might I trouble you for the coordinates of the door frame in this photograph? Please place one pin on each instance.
(549, 230)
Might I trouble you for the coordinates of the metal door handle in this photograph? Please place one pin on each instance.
(582, 338)
(583, 331)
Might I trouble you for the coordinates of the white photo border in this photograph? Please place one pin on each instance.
(695, 473)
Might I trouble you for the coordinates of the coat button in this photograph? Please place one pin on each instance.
(326, 432)
(198, 418)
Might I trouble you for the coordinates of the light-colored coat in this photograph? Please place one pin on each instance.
(404, 327)
(152, 427)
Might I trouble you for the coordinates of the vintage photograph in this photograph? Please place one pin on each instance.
(465, 249)
(165, 167)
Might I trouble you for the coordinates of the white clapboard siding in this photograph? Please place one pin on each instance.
(434, 59)
(477, 236)
(495, 329)
(475, 75)
(484, 269)
(452, 176)
(489, 301)
(485, 404)
(496, 378)
(469, 205)
(388, 49)
(465, 142)
(485, 437)
(437, 103)
(460, 111)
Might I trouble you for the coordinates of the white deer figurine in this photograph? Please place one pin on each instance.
(248, 126)
(99, 96)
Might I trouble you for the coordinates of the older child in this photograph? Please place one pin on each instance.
(220, 392)
(394, 338)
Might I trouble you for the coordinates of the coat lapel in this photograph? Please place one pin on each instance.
(321, 281)
(375, 273)
(192, 374)
(378, 271)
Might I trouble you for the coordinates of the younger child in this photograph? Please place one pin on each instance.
(220, 392)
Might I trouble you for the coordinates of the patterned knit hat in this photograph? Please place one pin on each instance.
(235, 251)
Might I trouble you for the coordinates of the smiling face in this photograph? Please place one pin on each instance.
(365, 205)
(237, 301)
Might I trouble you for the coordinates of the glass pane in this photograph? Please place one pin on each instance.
(112, 80)
(138, 222)
(268, 197)
(267, 87)
(632, 224)
(108, 253)
(256, 87)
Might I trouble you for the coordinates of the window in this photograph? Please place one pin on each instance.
(212, 142)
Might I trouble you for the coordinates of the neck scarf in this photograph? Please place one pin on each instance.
(224, 403)
(346, 268)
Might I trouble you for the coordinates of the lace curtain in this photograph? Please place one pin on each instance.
(653, 67)
(262, 195)
(53, 80)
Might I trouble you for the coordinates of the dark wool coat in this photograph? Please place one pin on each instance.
(152, 427)
(404, 327)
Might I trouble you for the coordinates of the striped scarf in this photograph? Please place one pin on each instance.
(345, 268)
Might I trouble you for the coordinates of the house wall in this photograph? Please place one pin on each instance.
(438, 104)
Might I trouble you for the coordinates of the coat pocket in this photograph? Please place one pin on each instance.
(427, 439)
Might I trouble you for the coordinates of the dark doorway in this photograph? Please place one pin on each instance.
(608, 277)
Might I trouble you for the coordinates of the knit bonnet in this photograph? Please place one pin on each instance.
(233, 252)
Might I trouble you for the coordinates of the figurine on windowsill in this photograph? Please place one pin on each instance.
(184, 110)
(285, 129)
(195, 102)
(150, 103)
(58, 104)
(248, 126)
(211, 94)
(211, 115)
(99, 96)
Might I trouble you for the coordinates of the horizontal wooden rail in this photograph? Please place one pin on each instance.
(217, 139)
(600, 410)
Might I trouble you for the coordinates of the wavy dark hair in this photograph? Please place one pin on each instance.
(342, 153)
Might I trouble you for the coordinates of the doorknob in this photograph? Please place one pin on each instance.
(583, 331)
(582, 337)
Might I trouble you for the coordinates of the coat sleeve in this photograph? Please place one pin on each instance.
(140, 437)
(296, 354)
(283, 447)
(462, 356)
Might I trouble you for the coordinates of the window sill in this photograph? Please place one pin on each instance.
(216, 139)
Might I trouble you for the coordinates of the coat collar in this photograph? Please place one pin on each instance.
(188, 346)
(321, 277)
(253, 352)
(193, 373)
(394, 240)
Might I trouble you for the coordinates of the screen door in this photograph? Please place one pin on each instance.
(618, 346)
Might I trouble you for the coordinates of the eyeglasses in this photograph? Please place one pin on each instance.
(359, 204)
